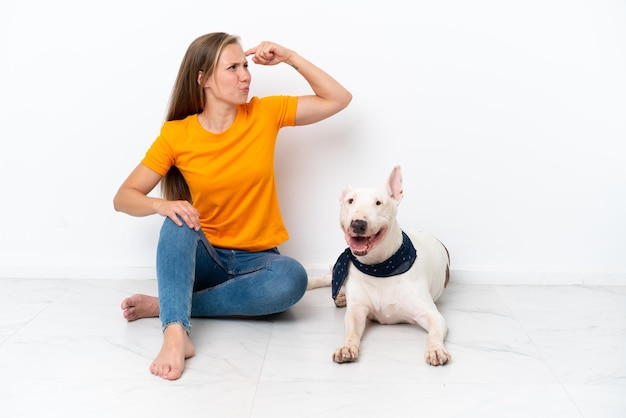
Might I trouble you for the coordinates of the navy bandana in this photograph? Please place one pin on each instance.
(398, 263)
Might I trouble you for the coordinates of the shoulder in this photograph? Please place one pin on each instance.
(175, 128)
(270, 102)
(185, 123)
(279, 108)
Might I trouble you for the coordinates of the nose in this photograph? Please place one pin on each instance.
(244, 74)
(358, 226)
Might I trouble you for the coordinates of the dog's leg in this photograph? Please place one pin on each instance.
(355, 320)
(433, 322)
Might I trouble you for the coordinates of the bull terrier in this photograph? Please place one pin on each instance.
(386, 274)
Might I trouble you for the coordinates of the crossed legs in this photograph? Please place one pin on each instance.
(197, 280)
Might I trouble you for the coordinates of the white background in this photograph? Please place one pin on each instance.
(507, 117)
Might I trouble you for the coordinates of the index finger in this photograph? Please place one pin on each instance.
(192, 217)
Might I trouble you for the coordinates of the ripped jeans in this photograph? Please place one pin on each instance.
(196, 279)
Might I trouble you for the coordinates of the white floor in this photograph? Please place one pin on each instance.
(517, 351)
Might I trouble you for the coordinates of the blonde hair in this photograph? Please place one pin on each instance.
(188, 96)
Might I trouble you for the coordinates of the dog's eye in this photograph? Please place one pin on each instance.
(378, 203)
(350, 201)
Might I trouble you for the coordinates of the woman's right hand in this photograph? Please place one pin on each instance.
(132, 198)
(177, 210)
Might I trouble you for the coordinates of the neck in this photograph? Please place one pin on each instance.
(217, 120)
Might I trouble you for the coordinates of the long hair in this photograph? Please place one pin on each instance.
(188, 96)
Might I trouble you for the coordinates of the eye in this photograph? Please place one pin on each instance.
(350, 201)
(378, 203)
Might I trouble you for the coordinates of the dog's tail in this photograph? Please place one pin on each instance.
(319, 281)
(447, 265)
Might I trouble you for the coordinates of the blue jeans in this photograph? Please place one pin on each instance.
(196, 279)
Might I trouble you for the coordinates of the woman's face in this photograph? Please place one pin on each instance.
(231, 78)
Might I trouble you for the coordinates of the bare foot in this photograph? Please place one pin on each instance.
(177, 347)
(140, 306)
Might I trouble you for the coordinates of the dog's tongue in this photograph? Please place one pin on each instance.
(358, 245)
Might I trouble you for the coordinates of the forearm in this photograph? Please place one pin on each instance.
(323, 85)
(135, 203)
(329, 96)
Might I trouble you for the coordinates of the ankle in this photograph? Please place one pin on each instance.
(175, 329)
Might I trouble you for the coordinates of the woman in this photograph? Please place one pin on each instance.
(217, 252)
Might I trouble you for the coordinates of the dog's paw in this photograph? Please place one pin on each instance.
(340, 299)
(346, 354)
(437, 356)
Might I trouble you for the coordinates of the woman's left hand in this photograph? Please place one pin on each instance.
(269, 53)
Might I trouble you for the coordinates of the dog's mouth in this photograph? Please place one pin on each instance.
(361, 245)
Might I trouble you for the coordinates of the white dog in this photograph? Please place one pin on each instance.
(387, 275)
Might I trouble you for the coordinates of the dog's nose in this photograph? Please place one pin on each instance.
(358, 226)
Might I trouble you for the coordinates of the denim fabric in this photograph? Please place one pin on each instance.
(196, 279)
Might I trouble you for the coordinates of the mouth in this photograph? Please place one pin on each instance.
(361, 245)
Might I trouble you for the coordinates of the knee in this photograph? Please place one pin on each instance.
(294, 275)
(170, 229)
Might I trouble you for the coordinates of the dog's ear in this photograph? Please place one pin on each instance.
(394, 185)
(344, 192)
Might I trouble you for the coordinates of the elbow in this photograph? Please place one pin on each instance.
(340, 102)
(347, 98)
(117, 204)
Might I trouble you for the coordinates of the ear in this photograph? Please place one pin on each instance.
(202, 81)
(344, 192)
(394, 185)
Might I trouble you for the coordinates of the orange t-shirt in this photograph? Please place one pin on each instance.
(231, 174)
